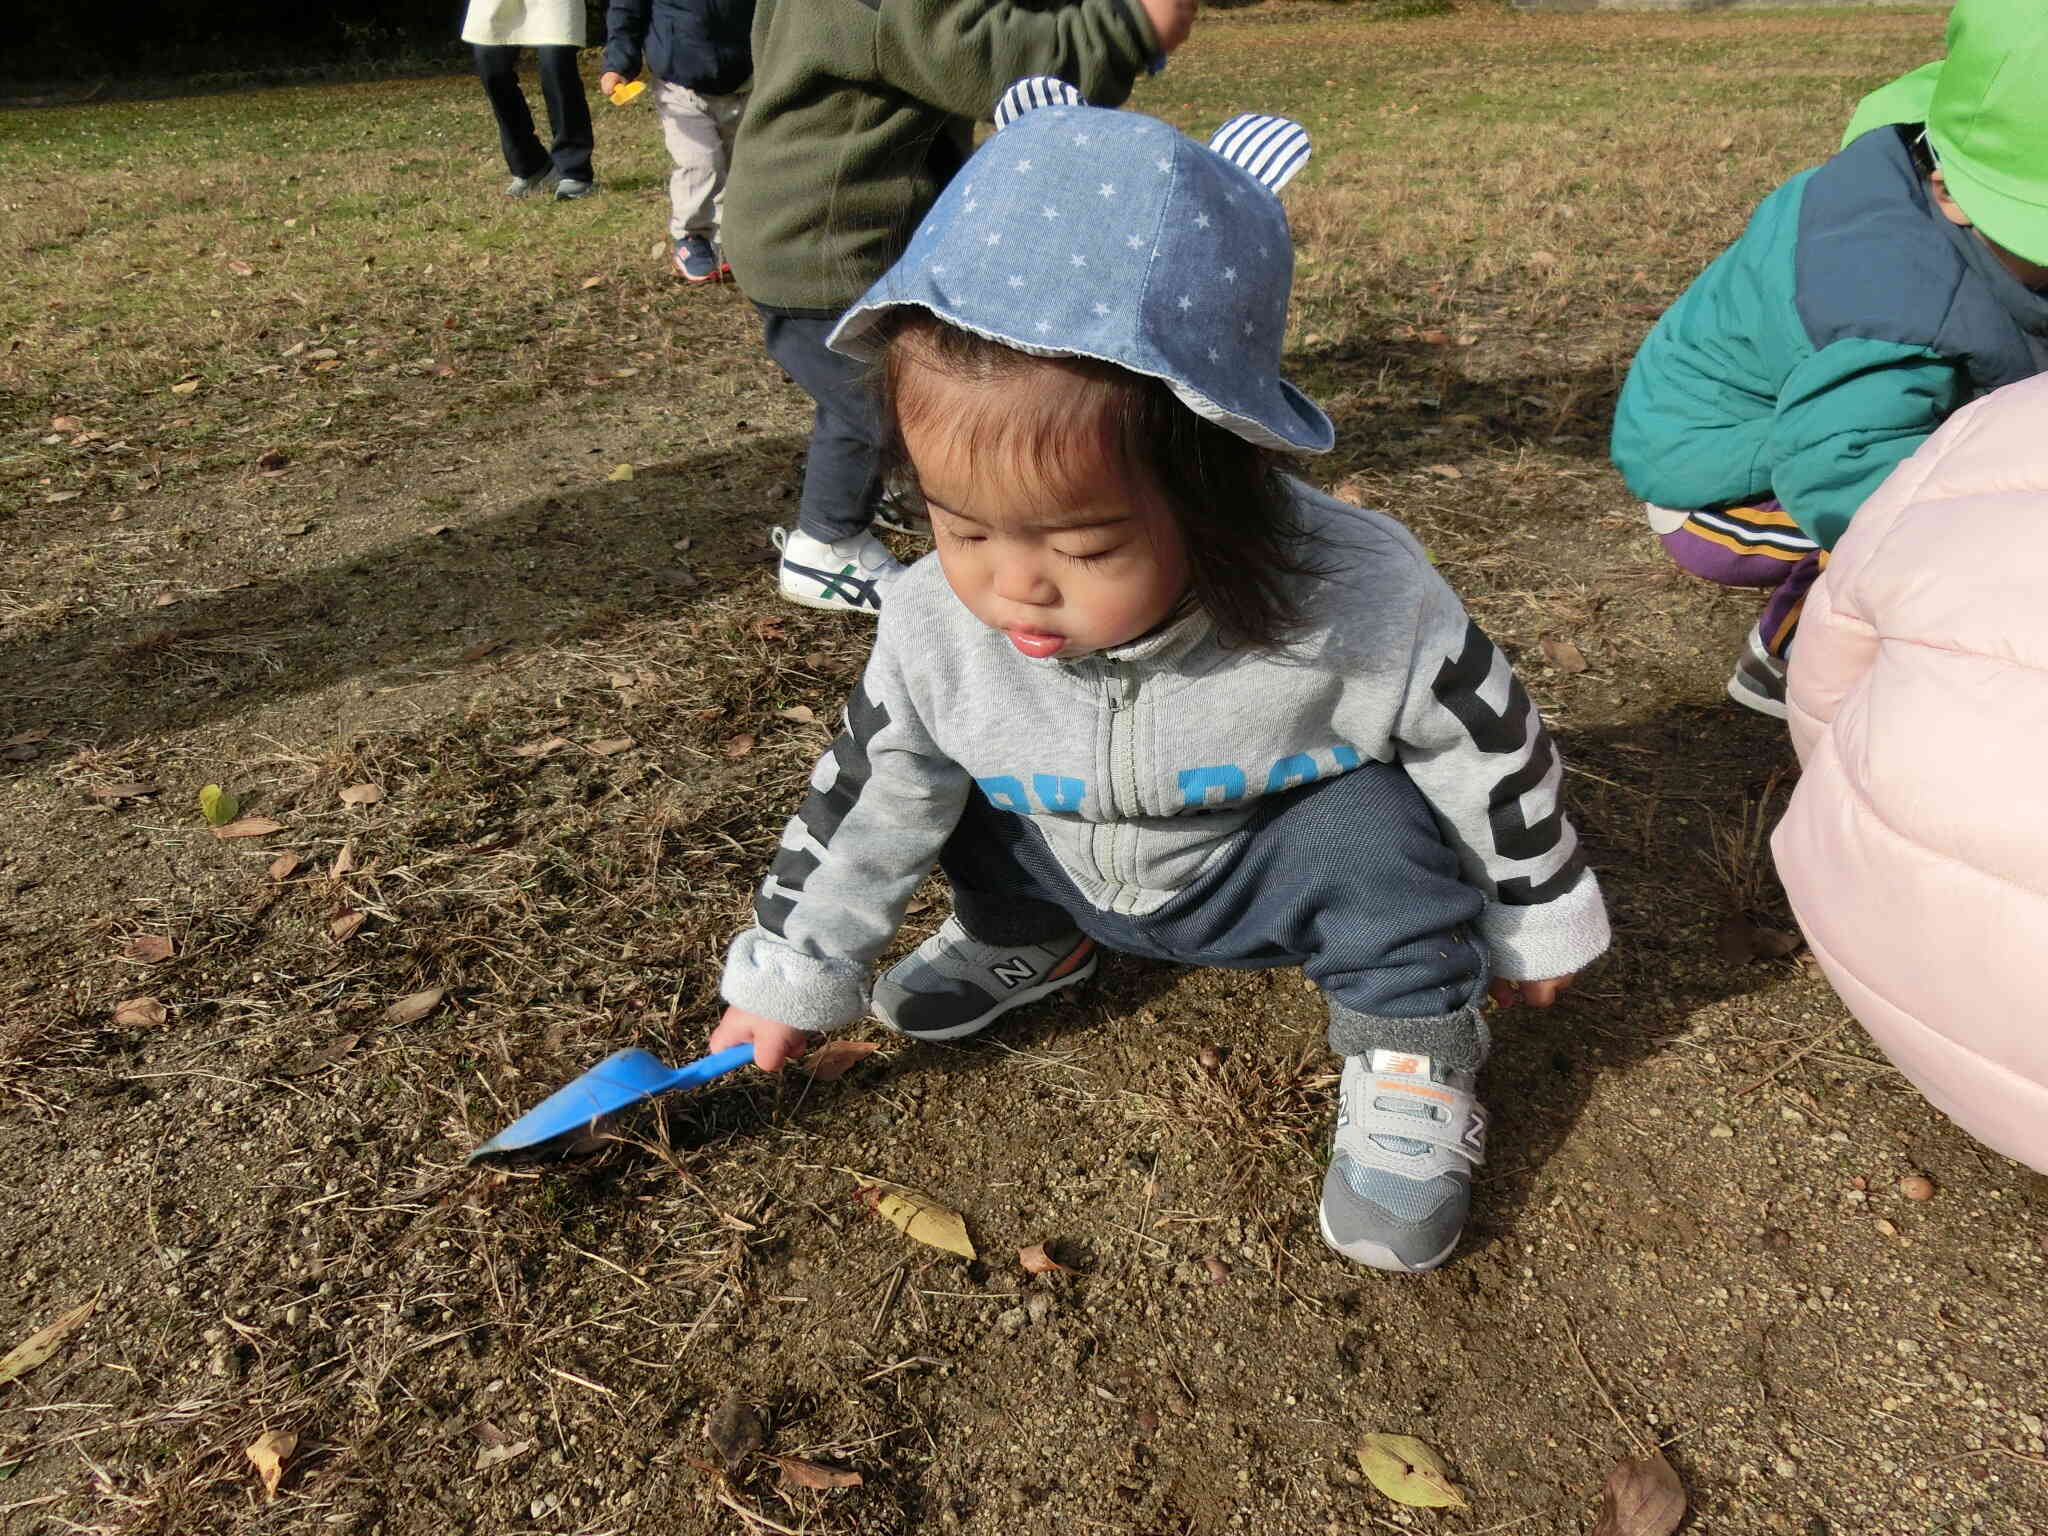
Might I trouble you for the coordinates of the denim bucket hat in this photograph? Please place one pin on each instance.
(1079, 231)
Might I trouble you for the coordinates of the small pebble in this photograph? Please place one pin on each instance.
(1722, 1132)
(1210, 1058)
(1218, 1271)
(1917, 1186)
(1886, 1228)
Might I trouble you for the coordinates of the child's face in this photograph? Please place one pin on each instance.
(2031, 273)
(1061, 572)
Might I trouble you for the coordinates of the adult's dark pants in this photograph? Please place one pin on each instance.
(843, 467)
(568, 111)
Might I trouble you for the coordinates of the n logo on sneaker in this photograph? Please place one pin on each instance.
(1013, 972)
(1473, 1140)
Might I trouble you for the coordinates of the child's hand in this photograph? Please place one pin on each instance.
(608, 82)
(773, 1043)
(1171, 19)
(1537, 994)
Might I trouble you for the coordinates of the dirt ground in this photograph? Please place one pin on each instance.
(588, 716)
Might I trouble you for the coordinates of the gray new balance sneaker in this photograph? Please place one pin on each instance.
(1758, 681)
(953, 985)
(845, 576)
(1400, 1182)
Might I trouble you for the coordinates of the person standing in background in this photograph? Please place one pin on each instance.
(861, 112)
(698, 53)
(554, 29)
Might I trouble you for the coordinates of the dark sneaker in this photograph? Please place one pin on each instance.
(899, 514)
(569, 188)
(953, 985)
(526, 186)
(1400, 1182)
(697, 261)
(845, 576)
(1758, 681)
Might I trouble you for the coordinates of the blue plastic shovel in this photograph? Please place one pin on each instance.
(621, 1080)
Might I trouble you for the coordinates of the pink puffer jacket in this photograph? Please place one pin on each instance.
(1915, 850)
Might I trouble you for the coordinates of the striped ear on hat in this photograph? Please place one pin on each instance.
(1035, 91)
(1270, 148)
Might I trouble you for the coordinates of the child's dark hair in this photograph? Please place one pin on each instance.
(1229, 498)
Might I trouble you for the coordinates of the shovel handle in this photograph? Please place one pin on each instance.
(717, 1064)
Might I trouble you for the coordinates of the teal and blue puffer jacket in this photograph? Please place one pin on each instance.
(1849, 321)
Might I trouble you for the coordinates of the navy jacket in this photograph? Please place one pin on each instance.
(700, 44)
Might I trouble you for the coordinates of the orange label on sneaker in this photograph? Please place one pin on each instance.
(1427, 1093)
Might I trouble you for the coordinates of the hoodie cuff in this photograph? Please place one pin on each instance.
(764, 975)
(1557, 938)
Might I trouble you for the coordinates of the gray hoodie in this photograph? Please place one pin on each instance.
(1139, 763)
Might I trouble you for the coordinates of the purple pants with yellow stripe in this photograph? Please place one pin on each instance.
(1757, 545)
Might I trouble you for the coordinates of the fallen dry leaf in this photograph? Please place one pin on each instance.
(593, 282)
(282, 867)
(1351, 492)
(343, 928)
(1444, 471)
(249, 826)
(344, 861)
(184, 386)
(739, 746)
(40, 1345)
(1037, 1261)
(542, 747)
(611, 746)
(798, 1473)
(321, 1057)
(1408, 1472)
(415, 1006)
(1564, 655)
(495, 1447)
(275, 459)
(149, 948)
(127, 789)
(268, 1451)
(1642, 1498)
(800, 713)
(735, 1430)
(66, 424)
(362, 794)
(620, 472)
(835, 1058)
(140, 1013)
(922, 1220)
(241, 269)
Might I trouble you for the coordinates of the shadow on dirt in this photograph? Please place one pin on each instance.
(550, 568)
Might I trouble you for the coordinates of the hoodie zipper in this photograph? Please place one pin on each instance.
(1123, 774)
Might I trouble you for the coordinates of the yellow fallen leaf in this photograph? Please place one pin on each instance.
(918, 1218)
(40, 1345)
(1409, 1472)
(268, 1451)
(621, 472)
(217, 805)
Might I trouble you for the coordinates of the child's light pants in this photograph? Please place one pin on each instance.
(698, 130)
(1349, 878)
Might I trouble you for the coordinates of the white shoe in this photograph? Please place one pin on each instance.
(526, 186)
(845, 576)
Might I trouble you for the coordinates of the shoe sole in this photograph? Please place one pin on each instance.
(1029, 995)
(1378, 1255)
(1740, 691)
(826, 604)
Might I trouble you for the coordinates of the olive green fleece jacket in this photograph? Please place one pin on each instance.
(861, 113)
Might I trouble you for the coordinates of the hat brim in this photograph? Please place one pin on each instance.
(2021, 226)
(1289, 422)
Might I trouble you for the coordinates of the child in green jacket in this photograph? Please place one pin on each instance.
(1868, 300)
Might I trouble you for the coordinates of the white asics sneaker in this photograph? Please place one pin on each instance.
(1409, 1134)
(845, 576)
